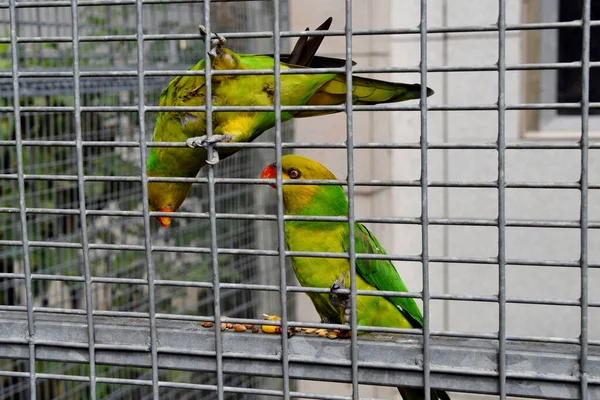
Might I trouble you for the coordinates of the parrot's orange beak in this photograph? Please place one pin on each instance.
(269, 173)
(165, 221)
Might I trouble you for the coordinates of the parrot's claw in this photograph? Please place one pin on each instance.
(341, 300)
(207, 142)
(215, 44)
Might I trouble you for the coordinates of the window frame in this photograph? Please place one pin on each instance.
(540, 86)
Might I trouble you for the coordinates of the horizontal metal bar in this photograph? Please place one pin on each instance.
(533, 370)
(375, 107)
(256, 181)
(303, 71)
(262, 217)
(283, 34)
(293, 289)
(314, 145)
(66, 3)
(272, 253)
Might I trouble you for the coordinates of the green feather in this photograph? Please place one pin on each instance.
(381, 273)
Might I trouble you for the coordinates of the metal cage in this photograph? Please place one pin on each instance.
(98, 301)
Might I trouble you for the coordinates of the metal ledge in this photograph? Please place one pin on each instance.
(546, 370)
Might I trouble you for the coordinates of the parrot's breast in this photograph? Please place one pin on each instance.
(322, 272)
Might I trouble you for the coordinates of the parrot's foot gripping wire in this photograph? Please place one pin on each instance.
(207, 143)
(215, 44)
(342, 300)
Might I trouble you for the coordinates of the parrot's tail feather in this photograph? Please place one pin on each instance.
(306, 47)
(418, 394)
(365, 91)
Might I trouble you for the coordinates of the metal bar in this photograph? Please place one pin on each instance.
(351, 197)
(263, 217)
(274, 288)
(585, 113)
(533, 371)
(303, 71)
(501, 199)
(285, 368)
(212, 206)
(147, 247)
(376, 107)
(383, 183)
(491, 28)
(22, 213)
(259, 252)
(445, 165)
(425, 204)
(89, 305)
(313, 145)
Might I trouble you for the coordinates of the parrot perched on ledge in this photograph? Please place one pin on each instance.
(246, 90)
(334, 273)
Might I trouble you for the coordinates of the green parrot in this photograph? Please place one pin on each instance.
(246, 90)
(334, 273)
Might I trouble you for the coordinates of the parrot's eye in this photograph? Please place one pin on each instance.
(294, 173)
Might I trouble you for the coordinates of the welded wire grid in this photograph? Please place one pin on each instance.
(77, 240)
(69, 275)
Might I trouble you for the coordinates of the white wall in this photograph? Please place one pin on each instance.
(460, 165)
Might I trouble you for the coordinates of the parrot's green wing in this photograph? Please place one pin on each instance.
(382, 274)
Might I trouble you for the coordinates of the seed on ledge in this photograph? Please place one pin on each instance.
(332, 335)
(206, 324)
(239, 328)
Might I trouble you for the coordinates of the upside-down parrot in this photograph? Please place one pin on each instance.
(334, 273)
(246, 90)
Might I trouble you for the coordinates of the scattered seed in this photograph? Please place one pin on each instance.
(248, 326)
(229, 325)
(206, 324)
(311, 330)
(239, 328)
(270, 328)
(223, 326)
(332, 335)
(255, 330)
(271, 317)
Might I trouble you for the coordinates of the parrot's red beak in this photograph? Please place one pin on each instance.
(269, 173)
(165, 221)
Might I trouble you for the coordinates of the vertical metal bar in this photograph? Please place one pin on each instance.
(22, 205)
(425, 203)
(81, 191)
(445, 169)
(139, 11)
(585, 112)
(351, 217)
(280, 220)
(212, 212)
(501, 199)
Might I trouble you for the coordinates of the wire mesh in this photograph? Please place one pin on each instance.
(79, 238)
(82, 140)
